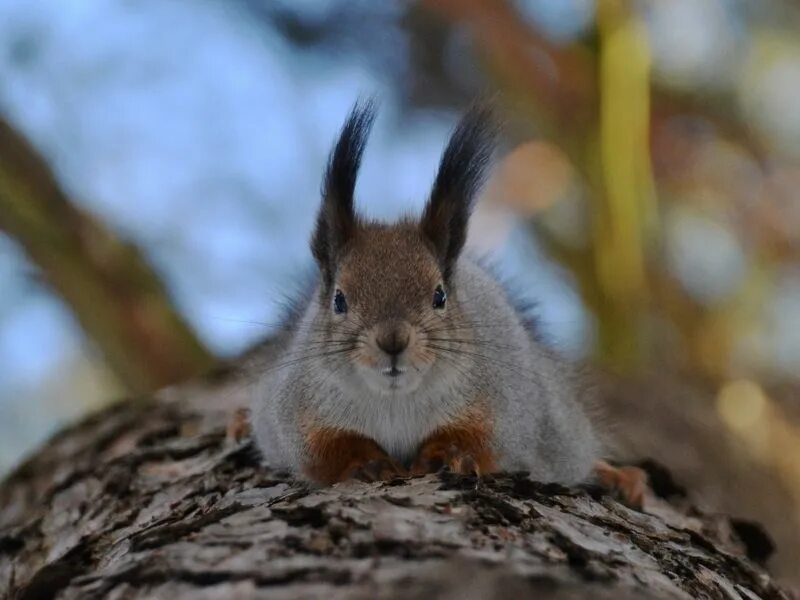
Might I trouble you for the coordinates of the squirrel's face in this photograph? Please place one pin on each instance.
(385, 313)
(389, 306)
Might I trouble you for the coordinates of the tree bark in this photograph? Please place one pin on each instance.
(153, 500)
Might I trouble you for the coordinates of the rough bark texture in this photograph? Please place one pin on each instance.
(152, 500)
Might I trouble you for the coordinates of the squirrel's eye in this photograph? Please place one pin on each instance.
(339, 303)
(439, 297)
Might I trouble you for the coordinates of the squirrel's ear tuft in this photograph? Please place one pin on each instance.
(460, 177)
(336, 221)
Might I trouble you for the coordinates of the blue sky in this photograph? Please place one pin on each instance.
(201, 136)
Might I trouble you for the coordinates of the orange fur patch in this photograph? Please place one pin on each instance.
(464, 446)
(239, 426)
(629, 482)
(337, 455)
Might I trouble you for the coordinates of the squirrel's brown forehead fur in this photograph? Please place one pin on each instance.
(388, 271)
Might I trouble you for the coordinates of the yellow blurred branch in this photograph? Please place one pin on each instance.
(626, 210)
(562, 88)
(768, 434)
(116, 297)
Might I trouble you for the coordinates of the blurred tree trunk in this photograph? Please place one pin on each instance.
(144, 501)
(117, 298)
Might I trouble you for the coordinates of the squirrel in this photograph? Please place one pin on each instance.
(408, 356)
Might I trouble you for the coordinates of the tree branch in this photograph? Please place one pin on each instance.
(152, 501)
(116, 297)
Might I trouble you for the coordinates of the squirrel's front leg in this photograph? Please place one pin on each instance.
(335, 455)
(464, 447)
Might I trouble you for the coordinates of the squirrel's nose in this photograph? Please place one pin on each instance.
(394, 339)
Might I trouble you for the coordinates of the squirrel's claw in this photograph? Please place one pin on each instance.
(463, 464)
(434, 459)
(630, 483)
(238, 426)
(377, 469)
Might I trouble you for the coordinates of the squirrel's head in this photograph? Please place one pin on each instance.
(388, 300)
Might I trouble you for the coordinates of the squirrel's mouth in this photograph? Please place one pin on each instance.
(392, 379)
(393, 371)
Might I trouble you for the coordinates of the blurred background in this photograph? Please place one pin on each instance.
(160, 164)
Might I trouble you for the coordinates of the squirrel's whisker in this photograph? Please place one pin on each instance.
(402, 340)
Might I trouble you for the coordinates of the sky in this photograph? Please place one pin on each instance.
(201, 135)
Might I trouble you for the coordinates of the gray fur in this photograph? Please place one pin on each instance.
(539, 426)
(472, 357)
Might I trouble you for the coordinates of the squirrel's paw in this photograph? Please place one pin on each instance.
(376, 469)
(630, 483)
(433, 458)
(239, 426)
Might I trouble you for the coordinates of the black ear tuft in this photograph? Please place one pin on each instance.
(460, 176)
(336, 221)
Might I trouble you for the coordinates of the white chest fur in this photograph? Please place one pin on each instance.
(398, 422)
